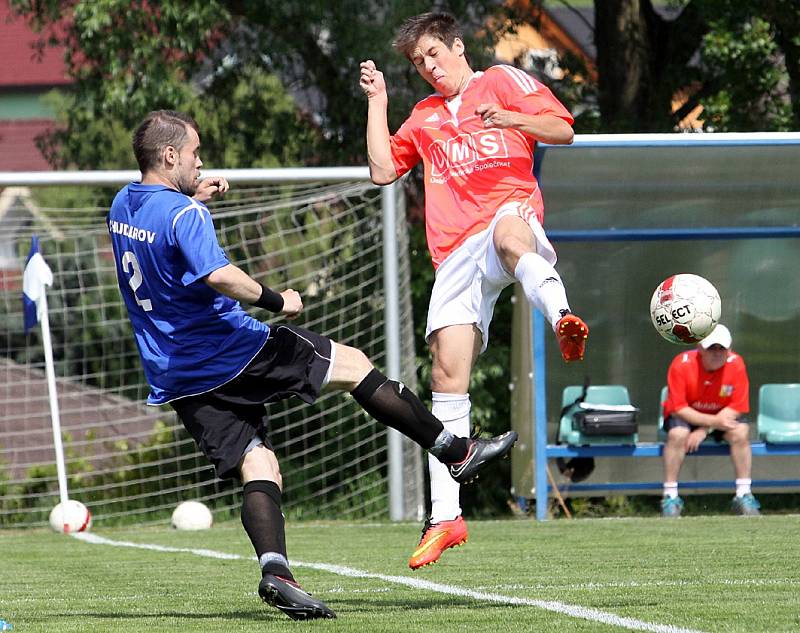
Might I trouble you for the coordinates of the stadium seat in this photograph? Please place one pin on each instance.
(568, 433)
(779, 413)
(662, 436)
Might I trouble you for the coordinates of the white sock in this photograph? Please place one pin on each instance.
(743, 487)
(542, 286)
(671, 489)
(453, 411)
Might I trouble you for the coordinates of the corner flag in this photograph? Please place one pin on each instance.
(37, 276)
(34, 300)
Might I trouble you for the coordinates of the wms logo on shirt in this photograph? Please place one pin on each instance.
(466, 152)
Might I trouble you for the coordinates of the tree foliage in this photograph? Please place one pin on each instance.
(741, 61)
(128, 58)
(213, 59)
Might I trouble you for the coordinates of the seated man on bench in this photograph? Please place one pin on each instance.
(708, 395)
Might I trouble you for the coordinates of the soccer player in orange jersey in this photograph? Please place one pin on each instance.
(475, 136)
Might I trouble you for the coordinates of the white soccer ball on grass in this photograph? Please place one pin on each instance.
(685, 308)
(192, 515)
(74, 517)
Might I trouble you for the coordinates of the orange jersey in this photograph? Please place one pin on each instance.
(689, 384)
(471, 171)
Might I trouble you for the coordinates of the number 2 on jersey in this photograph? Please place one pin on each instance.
(129, 260)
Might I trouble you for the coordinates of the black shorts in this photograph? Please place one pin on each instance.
(225, 420)
(716, 435)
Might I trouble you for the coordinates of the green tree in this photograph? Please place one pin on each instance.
(741, 61)
(127, 58)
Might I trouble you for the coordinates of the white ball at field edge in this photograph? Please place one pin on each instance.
(192, 515)
(77, 519)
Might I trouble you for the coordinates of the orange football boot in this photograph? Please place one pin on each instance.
(437, 537)
(572, 333)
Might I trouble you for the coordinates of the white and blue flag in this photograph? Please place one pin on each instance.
(37, 276)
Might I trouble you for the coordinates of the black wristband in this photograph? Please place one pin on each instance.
(269, 299)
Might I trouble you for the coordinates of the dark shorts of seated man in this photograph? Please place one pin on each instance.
(717, 435)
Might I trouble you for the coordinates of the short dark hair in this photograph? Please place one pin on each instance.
(439, 25)
(159, 129)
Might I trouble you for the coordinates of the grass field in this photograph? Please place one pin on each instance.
(693, 574)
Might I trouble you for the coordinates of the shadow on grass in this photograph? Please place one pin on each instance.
(266, 612)
(256, 614)
(436, 603)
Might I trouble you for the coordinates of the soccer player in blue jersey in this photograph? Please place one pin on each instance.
(217, 366)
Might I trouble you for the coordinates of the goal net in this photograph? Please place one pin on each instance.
(132, 463)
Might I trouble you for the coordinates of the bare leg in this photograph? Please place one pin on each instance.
(260, 464)
(741, 454)
(674, 452)
(454, 350)
(513, 238)
(350, 367)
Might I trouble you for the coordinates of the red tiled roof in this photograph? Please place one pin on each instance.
(21, 66)
(26, 430)
(18, 151)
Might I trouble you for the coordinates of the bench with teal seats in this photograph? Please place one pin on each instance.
(778, 419)
(569, 433)
(784, 415)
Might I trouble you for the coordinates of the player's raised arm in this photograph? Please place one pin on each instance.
(381, 167)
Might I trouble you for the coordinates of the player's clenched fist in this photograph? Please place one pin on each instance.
(371, 81)
(210, 187)
(292, 303)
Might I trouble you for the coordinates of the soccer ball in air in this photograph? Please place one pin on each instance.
(72, 517)
(192, 515)
(685, 308)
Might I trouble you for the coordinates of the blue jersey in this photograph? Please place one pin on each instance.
(191, 338)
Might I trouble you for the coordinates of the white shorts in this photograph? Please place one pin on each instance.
(472, 277)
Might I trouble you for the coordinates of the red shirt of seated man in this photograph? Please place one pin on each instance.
(708, 378)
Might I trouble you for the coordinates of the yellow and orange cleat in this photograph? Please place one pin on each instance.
(437, 537)
(572, 333)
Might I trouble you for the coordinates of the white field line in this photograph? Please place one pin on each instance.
(575, 611)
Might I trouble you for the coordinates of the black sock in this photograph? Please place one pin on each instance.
(390, 403)
(263, 522)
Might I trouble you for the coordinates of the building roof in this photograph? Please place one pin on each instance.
(22, 66)
(26, 435)
(25, 71)
(18, 151)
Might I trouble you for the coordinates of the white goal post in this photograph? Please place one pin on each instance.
(301, 226)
